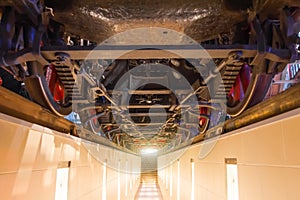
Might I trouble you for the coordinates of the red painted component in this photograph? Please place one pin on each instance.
(1, 81)
(54, 84)
(245, 75)
(241, 84)
(202, 120)
(236, 91)
(58, 93)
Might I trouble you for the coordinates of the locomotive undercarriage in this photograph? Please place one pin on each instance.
(150, 108)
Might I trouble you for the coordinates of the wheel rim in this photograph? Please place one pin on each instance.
(250, 89)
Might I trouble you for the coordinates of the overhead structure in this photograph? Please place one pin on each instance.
(150, 74)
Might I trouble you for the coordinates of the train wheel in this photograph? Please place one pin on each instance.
(47, 90)
(17, 35)
(249, 89)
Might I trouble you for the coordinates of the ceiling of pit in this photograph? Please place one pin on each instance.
(201, 20)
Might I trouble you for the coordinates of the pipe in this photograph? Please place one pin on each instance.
(289, 100)
(282, 102)
(94, 117)
(111, 131)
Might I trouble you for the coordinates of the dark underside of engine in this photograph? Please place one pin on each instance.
(147, 73)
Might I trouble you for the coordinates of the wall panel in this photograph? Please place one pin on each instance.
(268, 160)
(30, 155)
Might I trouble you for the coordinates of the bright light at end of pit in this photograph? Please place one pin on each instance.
(148, 151)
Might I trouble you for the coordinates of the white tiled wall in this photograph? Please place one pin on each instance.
(30, 155)
(268, 160)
